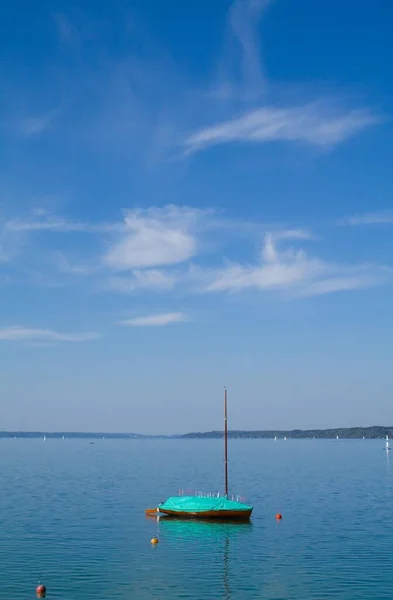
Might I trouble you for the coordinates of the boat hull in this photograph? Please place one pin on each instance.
(231, 515)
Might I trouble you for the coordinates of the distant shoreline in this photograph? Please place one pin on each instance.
(372, 432)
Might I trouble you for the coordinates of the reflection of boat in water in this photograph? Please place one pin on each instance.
(208, 506)
(210, 532)
(203, 529)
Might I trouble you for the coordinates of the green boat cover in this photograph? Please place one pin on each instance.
(195, 504)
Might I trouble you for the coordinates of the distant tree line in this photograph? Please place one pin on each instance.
(372, 432)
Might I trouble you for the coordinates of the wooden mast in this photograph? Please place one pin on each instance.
(226, 441)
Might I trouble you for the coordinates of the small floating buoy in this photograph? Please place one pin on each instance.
(40, 590)
(278, 516)
(154, 541)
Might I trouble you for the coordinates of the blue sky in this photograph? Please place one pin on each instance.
(193, 195)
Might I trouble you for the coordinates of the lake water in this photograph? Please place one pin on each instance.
(72, 513)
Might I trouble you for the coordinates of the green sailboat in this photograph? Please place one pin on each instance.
(208, 506)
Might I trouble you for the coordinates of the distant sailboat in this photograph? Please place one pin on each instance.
(337, 438)
(275, 438)
(387, 447)
(44, 438)
(285, 437)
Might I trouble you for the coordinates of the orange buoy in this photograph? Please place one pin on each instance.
(278, 516)
(154, 541)
(40, 590)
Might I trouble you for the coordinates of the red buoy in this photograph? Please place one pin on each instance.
(40, 590)
(278, 516)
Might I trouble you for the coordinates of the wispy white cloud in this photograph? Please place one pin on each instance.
(41, 220)
(370, 218)
(156, 320)
(157, 250)
(4, 253)
(352, 278)
(65, 29)
(249, 110)
(15, 333)
(155, 237)
(240, 75)
(36, 125)
(244, 16)
(281, 269)
(10, 243)
(293, 271)
(136, 245)
(293, 234)
(64, 265)
(316, 124)
(142, 280)
(40, 344)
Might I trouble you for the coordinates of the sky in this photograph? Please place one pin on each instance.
(192, 195)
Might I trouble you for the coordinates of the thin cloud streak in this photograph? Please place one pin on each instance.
(243, 18)
(142, 280)
(293, 234)
(36, 125)
(16, 333)
(364, 279)
(371, 218)
(156, 320)
(314, 124)
(241, 75)
(40, 220)
(64, 266)
(66, 31)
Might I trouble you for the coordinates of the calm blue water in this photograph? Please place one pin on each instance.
(73, 513)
